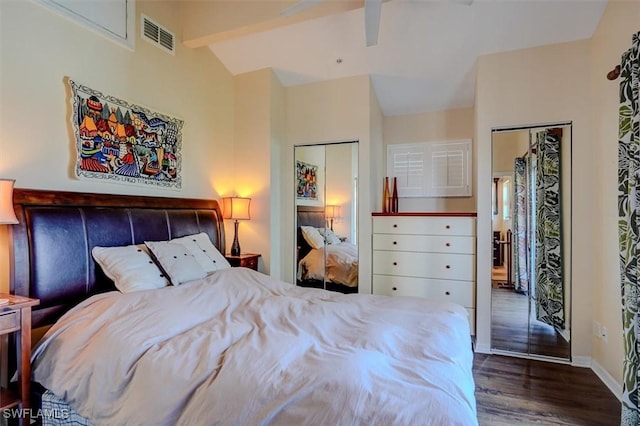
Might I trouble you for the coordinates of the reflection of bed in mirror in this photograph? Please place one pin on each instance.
(333, 264)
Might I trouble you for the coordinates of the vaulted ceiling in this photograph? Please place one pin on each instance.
(426, 53)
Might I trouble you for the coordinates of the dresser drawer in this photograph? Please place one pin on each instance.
(460, 292)
(424, 225)
(425, 243)
(425, 265)
(9, 321)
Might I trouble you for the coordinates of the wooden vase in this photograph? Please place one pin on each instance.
(386, 198)
(394, 196)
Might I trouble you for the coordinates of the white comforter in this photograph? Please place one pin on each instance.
(241, 348)
(337, 263)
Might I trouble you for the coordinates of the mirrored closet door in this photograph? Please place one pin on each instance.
(326, 200)
(531, 226)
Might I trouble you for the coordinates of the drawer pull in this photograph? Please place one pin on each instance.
(448, 227)
(395, 263)
(395, 243)
(448, 244)
(395, 225)
(447, 293)
(448, 266)
(394, 288)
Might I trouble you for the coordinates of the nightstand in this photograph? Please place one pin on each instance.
(15, 317)
(247, 260)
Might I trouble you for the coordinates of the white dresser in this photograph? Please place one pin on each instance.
(427, 255)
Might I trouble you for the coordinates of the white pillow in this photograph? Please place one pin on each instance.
(329, 236)
(176, 261)
(130, 267)
(205, 253)
(312, 237)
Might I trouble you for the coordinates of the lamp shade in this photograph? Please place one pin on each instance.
(236, 208)
(7, 215)
(330, 211)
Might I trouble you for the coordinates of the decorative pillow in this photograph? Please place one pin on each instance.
(205, 253)
(312, 237)
(176, 261)
(329, 236)
(130, 267)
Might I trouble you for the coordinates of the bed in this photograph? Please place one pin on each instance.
(331, 263)
(235, 347)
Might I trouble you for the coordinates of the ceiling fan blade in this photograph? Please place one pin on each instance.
(299, 6)
(372, 9)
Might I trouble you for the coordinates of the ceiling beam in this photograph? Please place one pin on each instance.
(206, 22)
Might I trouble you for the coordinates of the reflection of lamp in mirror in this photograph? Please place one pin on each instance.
(330, 212)
(236, 208)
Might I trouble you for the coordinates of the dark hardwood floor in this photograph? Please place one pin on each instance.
(515, 391)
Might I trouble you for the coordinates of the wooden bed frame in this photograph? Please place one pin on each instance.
(51, 245)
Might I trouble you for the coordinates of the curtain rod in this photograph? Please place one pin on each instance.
(614, 73)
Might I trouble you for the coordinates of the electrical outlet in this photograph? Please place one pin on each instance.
(597, 329)
(604, 334)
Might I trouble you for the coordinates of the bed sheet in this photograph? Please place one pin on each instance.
(242, 348)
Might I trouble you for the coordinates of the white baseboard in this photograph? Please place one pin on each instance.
(581, 361)
(607, 379)
(483, 349)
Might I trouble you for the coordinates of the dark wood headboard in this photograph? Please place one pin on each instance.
(51, 246)
(308, 216)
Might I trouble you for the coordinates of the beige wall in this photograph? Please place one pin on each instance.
(258, 128)
(531, 86)
(340, 112)
(278, 143)
(613, 36)
(38, 48)
(430, 127)
(506, 146)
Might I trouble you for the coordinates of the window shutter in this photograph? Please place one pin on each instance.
(449, 169)
(406, 162)
(431, 169)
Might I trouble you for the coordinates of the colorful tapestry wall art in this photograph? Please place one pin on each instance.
(117, 141)
(306, 181)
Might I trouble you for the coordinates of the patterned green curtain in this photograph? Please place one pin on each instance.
(549, 284)
(629, 218)
(521, 264)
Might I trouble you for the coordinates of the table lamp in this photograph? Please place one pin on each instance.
(236, 208)
(7, 215)
(330, 212)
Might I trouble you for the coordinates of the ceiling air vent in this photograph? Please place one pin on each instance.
(158, 35)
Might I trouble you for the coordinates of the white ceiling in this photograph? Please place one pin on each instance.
(426, 52)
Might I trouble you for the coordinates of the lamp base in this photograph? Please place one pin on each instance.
(235, 247)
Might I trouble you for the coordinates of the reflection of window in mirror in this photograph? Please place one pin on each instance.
(506, 200)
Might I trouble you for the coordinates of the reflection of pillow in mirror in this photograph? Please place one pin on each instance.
(176, 261)
(329, 236)
(312, 237)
